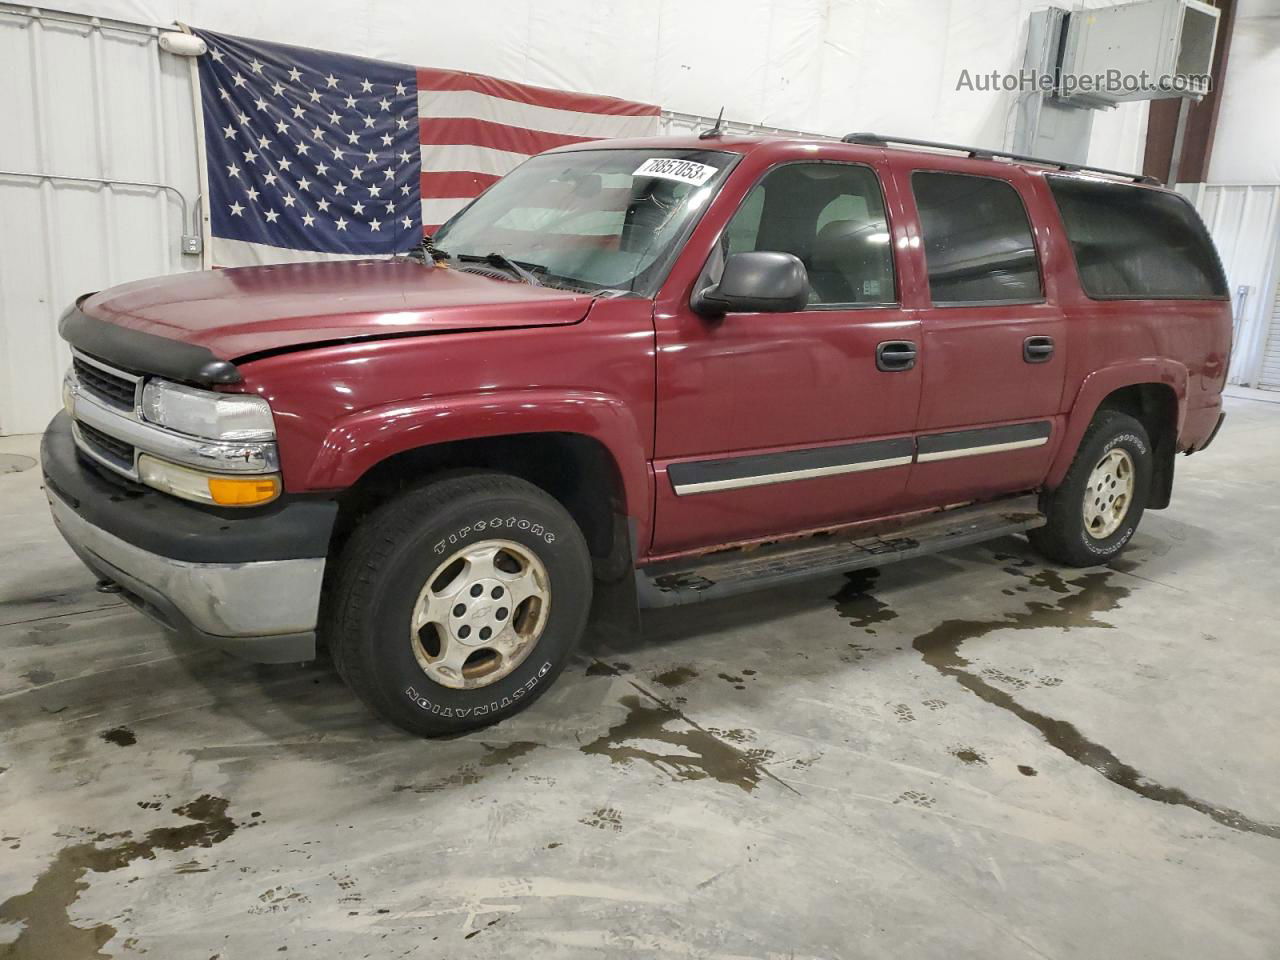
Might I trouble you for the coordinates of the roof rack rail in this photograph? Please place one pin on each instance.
(876, 140)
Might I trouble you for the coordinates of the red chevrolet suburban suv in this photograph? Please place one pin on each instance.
(680, 368)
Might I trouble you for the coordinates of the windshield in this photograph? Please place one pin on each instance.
(599, 219)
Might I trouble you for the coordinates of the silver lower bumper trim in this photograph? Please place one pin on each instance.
(233, 601)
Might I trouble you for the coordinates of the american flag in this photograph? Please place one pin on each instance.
(308, 151)
(312, 154)
(476, 129)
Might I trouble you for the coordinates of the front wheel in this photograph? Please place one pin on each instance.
(1094, 513)
(457, 604)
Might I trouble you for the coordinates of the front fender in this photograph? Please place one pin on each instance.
(359, 441)
(1097, 386)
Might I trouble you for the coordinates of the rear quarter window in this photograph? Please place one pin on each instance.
(977, 240)
(1133, 243)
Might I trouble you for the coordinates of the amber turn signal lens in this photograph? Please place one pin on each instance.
(226, 490)
(243, 491)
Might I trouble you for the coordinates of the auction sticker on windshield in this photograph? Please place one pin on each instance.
(671, 168)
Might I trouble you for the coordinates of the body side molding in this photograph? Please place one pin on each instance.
(970, 443)
(731, 473)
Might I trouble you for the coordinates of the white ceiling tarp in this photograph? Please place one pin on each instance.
(827, 66)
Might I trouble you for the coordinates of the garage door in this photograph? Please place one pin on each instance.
(1270, 377)
(99, 194)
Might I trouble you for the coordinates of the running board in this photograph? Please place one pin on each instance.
(731, 572)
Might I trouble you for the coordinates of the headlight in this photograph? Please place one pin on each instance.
(219, 489)
(203, 413)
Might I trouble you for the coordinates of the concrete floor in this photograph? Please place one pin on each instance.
(971, 755)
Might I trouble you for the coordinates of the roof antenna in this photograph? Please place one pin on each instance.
(715, 131)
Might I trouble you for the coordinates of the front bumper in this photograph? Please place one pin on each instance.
(248, 583)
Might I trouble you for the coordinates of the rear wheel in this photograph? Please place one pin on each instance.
(1095, 511)
(458, 603)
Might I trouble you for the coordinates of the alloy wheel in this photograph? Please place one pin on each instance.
(480, 614)
(1108, 493)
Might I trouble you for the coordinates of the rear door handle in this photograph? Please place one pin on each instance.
(895, 356)
(1037, 349)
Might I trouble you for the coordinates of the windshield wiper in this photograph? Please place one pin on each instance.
(503, 262)
(525, 274)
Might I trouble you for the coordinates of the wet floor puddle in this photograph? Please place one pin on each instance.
(15, 463)
(676, 677)
(43, 912)
(120, 736)
(858, 605)
(660, 735)
(1080, 601)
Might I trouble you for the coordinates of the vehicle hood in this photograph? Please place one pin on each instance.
(240, 311)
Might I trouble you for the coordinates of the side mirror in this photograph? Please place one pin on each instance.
(756, 281)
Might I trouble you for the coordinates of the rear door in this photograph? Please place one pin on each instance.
(993, 350)
(773, 423)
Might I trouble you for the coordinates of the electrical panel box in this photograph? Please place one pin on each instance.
(1148, 50)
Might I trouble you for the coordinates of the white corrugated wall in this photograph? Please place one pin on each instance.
(96, 101)
(1245, 222)
(1269, 378)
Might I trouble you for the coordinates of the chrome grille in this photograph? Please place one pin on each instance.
(109, 428)
(108, 447)
(112, 388)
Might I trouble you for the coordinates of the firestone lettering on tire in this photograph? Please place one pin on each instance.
(1092, 547)
(496, 524)
(1135, 440)
(494, 706)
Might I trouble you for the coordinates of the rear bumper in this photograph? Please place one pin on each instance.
(1212, 433)
(1201, 427)
(231, 583)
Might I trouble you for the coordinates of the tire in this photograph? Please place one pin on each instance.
(397, 565)
(1075, 537)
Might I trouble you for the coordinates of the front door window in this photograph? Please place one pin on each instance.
(831, 216)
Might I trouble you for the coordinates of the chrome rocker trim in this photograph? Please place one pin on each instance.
(981, 449)
(785, 476)
(736, 472)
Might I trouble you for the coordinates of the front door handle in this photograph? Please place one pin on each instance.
(1037, 349)
(895, 356)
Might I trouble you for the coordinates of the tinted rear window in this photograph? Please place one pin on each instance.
(977, 241)
(1132, 243)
